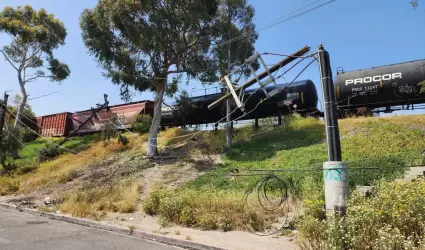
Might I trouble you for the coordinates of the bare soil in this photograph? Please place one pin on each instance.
(236, 240)
(173, 169)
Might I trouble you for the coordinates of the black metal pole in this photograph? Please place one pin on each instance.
(329, 103)
(279, 118)
(3, 114)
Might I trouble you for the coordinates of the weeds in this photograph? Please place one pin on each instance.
(393, 218)
(204, 208)
(94, 202)
(8, 185)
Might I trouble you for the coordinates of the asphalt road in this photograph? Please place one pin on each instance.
(24, 231)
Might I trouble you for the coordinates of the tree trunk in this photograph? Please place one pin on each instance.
(19, 112)
(156, 121)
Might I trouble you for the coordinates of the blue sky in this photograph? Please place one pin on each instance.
(357, 34)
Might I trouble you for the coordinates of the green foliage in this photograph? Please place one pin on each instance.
(141, 123)
(132, 40)
(393, 218)
(414, 3)
(110, 132)
(11, 140)
(35, 35)
(140, 44)
(299, 144)
(28, 118)
(8, 185)
(206, 209)
(50, 152)
(184, 108)
(236, 37)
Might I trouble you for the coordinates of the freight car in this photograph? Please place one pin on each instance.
(300, 96)
(61, 124)
(380, 87)
(54, 125)
(121, 115)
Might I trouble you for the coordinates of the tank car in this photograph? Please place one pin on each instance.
(299, 96)
(383, 86)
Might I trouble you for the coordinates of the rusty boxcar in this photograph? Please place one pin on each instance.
(54, 125)
(121, 115)
(61, 124)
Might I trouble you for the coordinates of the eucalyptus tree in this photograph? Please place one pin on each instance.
(34, 37)
(141, 44)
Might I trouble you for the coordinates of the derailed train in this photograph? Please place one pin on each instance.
(362, 91)
(356, 91)
(299, 96)
(385, 87)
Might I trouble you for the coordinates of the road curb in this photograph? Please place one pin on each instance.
(115, 229)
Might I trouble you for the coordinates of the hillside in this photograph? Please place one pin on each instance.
(190, 184)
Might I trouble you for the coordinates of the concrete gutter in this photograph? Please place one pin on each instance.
(94, 224)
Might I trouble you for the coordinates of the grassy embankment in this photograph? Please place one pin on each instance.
(214, 201)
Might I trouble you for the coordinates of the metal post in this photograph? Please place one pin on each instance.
(3, 113)
(279, 118)
(335, 171)
(228, 118)
(256, 124)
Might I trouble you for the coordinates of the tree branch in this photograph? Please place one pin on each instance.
(56, 92)
(7, 58)
(35, 78)
(38, 50)
(22, 66)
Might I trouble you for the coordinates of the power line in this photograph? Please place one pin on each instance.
(377, 26)
(276, 23)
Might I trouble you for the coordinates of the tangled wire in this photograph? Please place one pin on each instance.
(267, 206)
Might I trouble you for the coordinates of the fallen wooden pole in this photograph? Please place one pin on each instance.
(264, 74)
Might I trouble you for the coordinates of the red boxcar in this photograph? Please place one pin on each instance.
(54, 125)
(121, 115)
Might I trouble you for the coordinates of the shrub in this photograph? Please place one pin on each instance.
(94, 202)
(202, 208)
(393, 218)
(141, 124)
(8, 185)
(110, 132)
(28, 135)
(49, 152)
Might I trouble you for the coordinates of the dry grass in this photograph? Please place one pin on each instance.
(205, 209)
(67, 167)
(168, 137)
(63, 169)
(8, 185)
(94, 202)
(356, 121)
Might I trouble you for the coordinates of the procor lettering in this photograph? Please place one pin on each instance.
(370, 79)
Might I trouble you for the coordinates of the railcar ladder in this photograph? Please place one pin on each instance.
(269, 80)
(249, 61)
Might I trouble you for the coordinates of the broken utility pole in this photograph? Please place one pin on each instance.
(94, 114)
(264, 74)
(3, 108)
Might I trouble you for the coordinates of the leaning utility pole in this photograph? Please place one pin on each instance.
(3, 108)
(94, 114)
(334, 170)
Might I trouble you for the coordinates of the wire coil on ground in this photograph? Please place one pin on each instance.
(267, 206)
